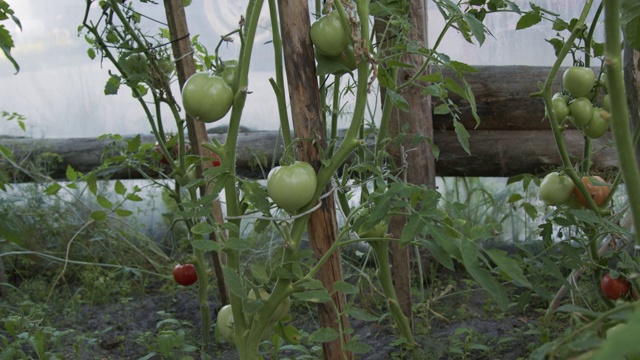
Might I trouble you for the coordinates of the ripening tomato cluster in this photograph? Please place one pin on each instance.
(577, 103)
(558, 189)
(333, 49)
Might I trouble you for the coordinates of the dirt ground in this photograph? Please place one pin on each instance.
(464, 325)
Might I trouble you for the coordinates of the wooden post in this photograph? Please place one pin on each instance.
(632, 85)
(185, 67)
(306, 110)
(418, 161)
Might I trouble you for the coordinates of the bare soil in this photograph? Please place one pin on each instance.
(463, 325)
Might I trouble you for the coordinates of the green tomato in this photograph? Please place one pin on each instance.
(229, 71)
(337, 65)
(281, 311)
(555, 189)
(293, 186)
(598, 125)
(560, 107)
(225, 323)
(186, 3)
(581, 111)
(606, 103)
(206, 98)
(603, 81)
(328, 35)
(166, 65)
(578, 80)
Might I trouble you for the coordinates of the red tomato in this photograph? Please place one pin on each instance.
(614, 289)
(216, 160)
(185, 275)
(598, 192)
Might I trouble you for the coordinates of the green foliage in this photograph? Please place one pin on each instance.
(6, 41)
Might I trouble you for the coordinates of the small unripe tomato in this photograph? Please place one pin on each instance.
(578, 80)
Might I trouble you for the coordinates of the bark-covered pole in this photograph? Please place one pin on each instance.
(197, 132)
(306, 110)
(417, 161)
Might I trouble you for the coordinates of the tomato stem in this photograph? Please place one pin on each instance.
(619, 111)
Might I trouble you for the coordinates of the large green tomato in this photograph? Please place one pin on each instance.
(206, 98)
(598, 125)
(555, 189)
(328, 35)
(581, 111)
(224, 323)
(560, 107)
(293, 186)
(281, 311)
(579, 81)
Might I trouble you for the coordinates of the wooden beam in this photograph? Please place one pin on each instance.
(500, 153)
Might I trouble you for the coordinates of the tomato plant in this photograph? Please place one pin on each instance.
(206, 98)
(555, 189)
(174, 152)
(292, 186)
(328, 35)
(185, 275)
(579, 81)
(614, 289)
(597, 188)
(598, 125)
(581, 111)
(281, 311)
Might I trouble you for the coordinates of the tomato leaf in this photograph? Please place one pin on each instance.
(119, 188)
(234, 281)
(202, 228)
(123, 212)
(477, 28)
(630, 21)
(470, 255)
(462, 134)
(527, 20)
(52, 189)
(316, 296)
(358, 347)
(98, 215)
(104, 202)
(112, 85)
(345, 287)
(509, 266)
(324, 335)
(206, 245)
(411, 230)
(360, 314)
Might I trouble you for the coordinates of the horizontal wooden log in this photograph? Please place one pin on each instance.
(500, 153)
